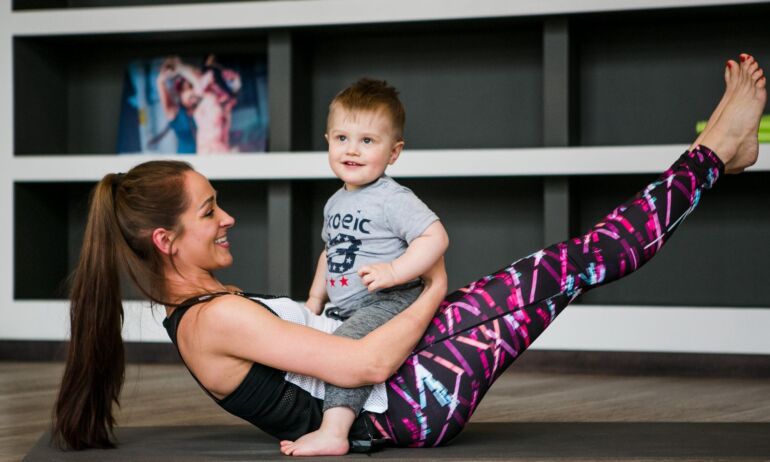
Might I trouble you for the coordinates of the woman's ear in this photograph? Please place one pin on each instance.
(162, 239)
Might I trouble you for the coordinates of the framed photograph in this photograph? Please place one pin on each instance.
(214, 104)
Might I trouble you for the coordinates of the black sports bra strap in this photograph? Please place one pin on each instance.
(204, 298)
(251, 296)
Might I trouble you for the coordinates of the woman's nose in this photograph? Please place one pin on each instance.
(227, 220)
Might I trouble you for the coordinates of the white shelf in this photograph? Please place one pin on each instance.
(580, 327)
(609, 328)
(612, 160)
(293, 13)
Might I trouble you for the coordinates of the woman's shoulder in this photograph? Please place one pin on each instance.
(244, 306)
(228, 307)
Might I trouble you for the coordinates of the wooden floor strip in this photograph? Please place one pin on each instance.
(166, 396)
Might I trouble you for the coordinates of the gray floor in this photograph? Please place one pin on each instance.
(480, 441)
(526, 416)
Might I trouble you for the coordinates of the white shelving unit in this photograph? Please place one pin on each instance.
(296, 13)
(615, 160)
(620, 328)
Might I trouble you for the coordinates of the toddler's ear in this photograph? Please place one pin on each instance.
(395, 151)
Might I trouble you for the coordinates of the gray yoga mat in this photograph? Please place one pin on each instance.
(480, 441)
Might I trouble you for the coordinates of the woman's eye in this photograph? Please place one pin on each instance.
(210, 213)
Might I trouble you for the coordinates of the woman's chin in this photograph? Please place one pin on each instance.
(228, 262)
(222, 263)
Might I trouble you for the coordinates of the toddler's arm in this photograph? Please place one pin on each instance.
(317, 297)
(421, 254)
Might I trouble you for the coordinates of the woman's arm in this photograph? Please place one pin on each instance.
(234, 327)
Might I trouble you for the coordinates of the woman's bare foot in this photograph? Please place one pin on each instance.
(317, 443)
(748, 151)
(733, 135)
(732, 69)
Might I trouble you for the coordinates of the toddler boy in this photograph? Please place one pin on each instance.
(379, 239)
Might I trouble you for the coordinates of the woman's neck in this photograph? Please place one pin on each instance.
(181, 287)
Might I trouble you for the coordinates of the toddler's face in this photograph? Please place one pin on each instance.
(361, 145)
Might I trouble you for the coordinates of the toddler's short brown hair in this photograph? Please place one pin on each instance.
(370, 95)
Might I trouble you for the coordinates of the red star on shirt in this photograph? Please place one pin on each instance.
(344, 281)
(331, 281)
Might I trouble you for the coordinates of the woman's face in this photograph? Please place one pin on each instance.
(203, 244)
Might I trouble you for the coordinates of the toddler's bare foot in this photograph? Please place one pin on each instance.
(733, 135)
(317, 443)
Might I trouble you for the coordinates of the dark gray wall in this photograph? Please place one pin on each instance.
(40, 240)
(718, 257)
(466, 88)
(247, 203)
(646, 78)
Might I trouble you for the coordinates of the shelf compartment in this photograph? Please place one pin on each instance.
(716, 258)
(471, 85)
(648, 77)
(67, 90)
(63, 207)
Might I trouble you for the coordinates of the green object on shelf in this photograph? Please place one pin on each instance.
(764, 128)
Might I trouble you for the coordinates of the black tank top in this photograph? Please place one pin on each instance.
(264, 398)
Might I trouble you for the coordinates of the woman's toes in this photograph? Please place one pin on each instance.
(752, 68)
(762, 82)
(757, 74)
(732, 71)
(746, 59)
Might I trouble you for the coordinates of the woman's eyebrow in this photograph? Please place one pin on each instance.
(206, 202)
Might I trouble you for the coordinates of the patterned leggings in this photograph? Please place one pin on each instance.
(481, 329)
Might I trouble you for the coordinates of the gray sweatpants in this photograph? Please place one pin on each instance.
(373, 311)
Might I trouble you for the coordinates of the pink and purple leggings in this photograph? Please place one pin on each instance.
(481, 329)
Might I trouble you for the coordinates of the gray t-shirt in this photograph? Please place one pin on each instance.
(373, 224)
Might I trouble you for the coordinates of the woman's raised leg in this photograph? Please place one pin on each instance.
(481, 329)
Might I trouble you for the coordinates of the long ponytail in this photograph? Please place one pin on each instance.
(124, 209)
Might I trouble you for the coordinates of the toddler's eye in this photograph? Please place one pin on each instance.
(368, 140)
(342, 137)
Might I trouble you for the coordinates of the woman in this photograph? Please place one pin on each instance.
(160, 224)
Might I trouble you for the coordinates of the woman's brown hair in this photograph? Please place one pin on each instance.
(124, 210)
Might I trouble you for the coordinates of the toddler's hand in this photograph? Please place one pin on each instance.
(378, 276)
(315, 305)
